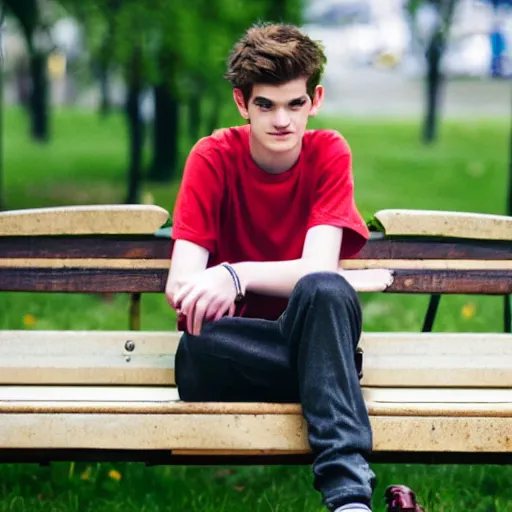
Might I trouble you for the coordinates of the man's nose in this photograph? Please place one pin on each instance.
(281, 119)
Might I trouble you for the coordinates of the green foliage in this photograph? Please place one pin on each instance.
(183, 44)
(375, 225)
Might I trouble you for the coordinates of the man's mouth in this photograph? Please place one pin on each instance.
(280, 134)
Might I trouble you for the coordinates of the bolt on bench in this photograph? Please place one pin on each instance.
(110, 395)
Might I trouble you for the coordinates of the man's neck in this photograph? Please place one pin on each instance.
(273, 163)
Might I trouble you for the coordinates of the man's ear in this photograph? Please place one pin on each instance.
(240, 103)
(318, 99)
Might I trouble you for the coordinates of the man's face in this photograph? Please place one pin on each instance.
(279, 113)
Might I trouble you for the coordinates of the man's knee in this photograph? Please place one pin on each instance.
(327, 287)
(194, 345)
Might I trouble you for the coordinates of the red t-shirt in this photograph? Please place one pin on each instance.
(239, 212)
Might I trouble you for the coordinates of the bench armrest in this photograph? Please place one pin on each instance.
(84, 220)
(443, 223)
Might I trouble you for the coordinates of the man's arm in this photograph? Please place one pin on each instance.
(320, 254)
(197, 293)
(200, 293)
(188, 260)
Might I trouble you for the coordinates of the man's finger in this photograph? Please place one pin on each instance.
(188, 303)
(198, 317)
(182, 293)
(190, 320)
(220, 312)
(213, 309)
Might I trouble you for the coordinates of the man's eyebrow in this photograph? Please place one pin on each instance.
(297, 100)
(261, 99)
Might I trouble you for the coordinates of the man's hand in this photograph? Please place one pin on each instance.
(369, 280)
(208, 295)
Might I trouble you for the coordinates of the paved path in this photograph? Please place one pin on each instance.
(368, 92)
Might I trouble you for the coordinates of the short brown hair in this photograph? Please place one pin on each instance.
(274, 54)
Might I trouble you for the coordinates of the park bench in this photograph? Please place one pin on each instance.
(110, 395)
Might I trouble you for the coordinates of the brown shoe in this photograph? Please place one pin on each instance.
(400, 497)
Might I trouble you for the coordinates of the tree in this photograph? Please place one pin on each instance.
(29, 14)
(178, 51)
(435, 48)
(190, 67)
(435, 79)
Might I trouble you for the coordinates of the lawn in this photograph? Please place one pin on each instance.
(86, 163)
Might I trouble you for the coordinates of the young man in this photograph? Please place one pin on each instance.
(264, 213)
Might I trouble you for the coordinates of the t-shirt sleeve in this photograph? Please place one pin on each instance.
(334, 203)
(197, 208)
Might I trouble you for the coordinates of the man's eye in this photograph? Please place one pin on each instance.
(264, 106)
(298, 104)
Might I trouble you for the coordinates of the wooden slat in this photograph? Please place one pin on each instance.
(157, 400)
(351, 264)
(492, 282)
(83, 220)
(390, 359)
(127, 280)
(151, 247)
(497, 398)
(85, 263)
(78, 280)
(445, 223)
(65, 247)
(87, 357)
(246, 433)
(435, 248)
(483, 265)
(437, 360)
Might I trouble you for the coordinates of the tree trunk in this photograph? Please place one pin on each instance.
(39, 108)
(135, 128)
(433, 86)
(165, 135)
(435, 79)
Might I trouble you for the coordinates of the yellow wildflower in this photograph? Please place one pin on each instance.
(468, 310)
(115, 475)
(86, 475)
(29, 320)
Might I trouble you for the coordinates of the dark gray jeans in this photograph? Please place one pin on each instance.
(306, 356)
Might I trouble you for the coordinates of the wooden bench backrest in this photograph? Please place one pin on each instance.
(114, 250)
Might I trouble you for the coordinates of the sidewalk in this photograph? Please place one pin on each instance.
(366, 92)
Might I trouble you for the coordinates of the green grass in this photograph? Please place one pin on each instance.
(86, 162)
